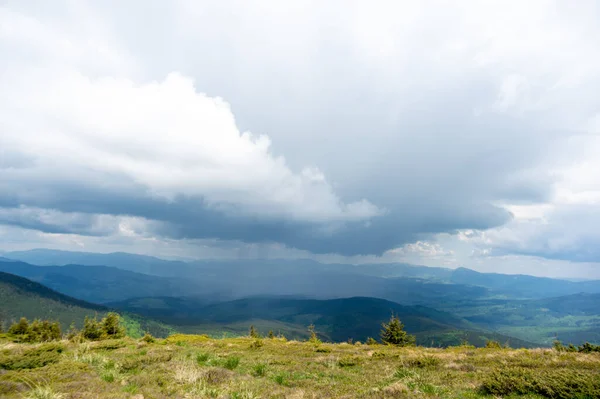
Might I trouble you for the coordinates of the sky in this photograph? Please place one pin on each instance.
(439, 133)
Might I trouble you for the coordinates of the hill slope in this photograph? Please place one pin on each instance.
(571, 318)
(335, 319)
(101, 284)
(20, 297)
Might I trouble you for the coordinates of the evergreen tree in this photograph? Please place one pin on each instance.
(393, 333)
(92, 329)
(111, 326)
(72, 332)
(253, 332)
(271, 335)
(19, 328)
(313, 335)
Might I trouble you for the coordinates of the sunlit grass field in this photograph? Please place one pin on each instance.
(194, 366)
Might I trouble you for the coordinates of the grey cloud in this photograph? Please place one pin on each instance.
(412, 128)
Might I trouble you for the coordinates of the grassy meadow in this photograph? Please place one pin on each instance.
(195, 366)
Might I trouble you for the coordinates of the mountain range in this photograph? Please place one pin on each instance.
(441, 306)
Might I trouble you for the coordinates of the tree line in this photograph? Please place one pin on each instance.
(45, 330)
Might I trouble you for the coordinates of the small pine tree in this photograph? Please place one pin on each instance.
(393, 333)
(571, 348)
(111, 326)
(313, 335)
(148, 338)
(92, 329)
(19, 328)
(271, 335)
(371, 341)
(72, 332)
(43, 331)
(253, 332)
(558, 346)
(491, 344)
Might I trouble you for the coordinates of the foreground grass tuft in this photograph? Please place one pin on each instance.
(44, 392)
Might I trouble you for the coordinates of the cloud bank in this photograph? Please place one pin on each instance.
(430, 130)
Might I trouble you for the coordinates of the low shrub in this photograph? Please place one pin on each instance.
(186, 338)
(148, 338)
(32, 358)
(257, 343)
(231, 362)
(109, 345)
(588, 348)
(493, 345)
(216, 376)
(348, 361)
(550, 383)
(280, 379)
(202, 357)
(422, 362)
(259, 370)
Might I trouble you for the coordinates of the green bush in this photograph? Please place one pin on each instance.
(348, 361)
(257, 343)
(259, 370)
(92, 329)
(19, 328)
(423, 362)
(202, 357)
(551, 383)
(323, 350)
(231, 362)
(32, 358)
(558, 346)
(493, 344)
(280, 379)
(110, 345)
(371, 341)
(588, 348)
(148, 338)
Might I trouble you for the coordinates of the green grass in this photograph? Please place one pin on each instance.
(191, 366)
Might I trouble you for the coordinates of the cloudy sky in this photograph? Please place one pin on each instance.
(434, 132)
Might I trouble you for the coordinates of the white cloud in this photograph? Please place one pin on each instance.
(164, 136)
(442, 115)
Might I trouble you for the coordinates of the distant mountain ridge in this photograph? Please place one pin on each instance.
(105, 284)
(254, 277)
(100, 284)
